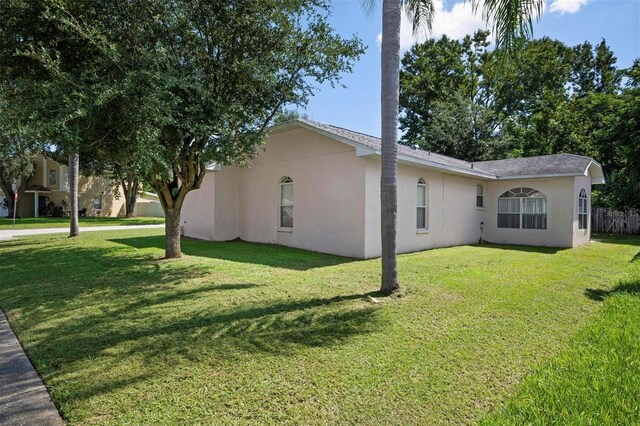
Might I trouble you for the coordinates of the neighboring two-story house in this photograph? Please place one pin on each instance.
(50, 183)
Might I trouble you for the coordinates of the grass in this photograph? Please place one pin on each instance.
(239, 333)
(596, 380)
(62, 222)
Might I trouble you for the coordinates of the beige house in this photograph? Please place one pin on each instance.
(317, 187)
(51, 184)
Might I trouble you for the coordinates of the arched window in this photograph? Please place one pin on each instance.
(286, 203)
(422, 220)
(523, 208)
(52, 177)
(583, 209)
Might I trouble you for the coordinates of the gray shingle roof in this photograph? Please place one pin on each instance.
(559, 164)
(375, 143)
(569, 164)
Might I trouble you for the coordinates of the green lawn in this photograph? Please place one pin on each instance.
(239, 333)
(596, 380)
(62, 222)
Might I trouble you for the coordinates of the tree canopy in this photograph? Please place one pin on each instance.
(460, 99)
(179, 84)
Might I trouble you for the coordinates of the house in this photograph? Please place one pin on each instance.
(50, 183)
(317, 187)
(148, 205)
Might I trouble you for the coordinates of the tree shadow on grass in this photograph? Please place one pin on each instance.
(93, 310)
(629, 287)
(523, 248)
(625, 239)
(212, 336)
(245, 252)
(47, 279)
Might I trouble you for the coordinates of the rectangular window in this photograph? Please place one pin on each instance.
(480, 196)
(534, 213)
(421, 207)
(286, 205)
(525, 213)
(583, 214)
(508, 213)
(97, 203)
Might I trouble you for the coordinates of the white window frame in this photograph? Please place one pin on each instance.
(522, 194)
(480, 195)
(94, 204)
(583, 200)
(422, 184)
(285, 180)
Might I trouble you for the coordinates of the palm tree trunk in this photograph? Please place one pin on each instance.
(391, 15)
(74, 166)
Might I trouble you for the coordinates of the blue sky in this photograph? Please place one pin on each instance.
(357, 106)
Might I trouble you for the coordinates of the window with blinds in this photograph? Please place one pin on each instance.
(522, 208)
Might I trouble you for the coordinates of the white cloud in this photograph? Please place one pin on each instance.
(459, 20)
(567, 6)
(455, 23)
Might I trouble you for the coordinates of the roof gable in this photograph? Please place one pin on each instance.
(516, 168)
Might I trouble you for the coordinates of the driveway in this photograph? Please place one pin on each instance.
(8, 234)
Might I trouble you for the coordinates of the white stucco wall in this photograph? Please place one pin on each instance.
(560, 213)
(581, 236)
(453, 218)
(337, 202)
(197, 214)
(226, 218)
(328, 192)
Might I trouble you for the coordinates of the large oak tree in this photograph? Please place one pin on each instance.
(204, 78)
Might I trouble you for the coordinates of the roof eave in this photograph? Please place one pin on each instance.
(299, 123)
(538, 176)
(594, 170)
(597, 177)
(429, 165)
(366, 151)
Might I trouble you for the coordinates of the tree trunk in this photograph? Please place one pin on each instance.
(130, 189)
(9, 193)
(172, 233)
(130, 207)
(391, 17)
(74, 165)
(188, 174)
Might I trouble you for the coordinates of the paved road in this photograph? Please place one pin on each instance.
(23, 398)
(7, 234)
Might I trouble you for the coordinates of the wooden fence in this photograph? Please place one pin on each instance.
(614, 221)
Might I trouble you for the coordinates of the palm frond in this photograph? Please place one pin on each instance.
(369, 6)
(512, 19)
(420, 12)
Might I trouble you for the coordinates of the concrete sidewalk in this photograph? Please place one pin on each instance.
(7, 234)
(23, 398)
